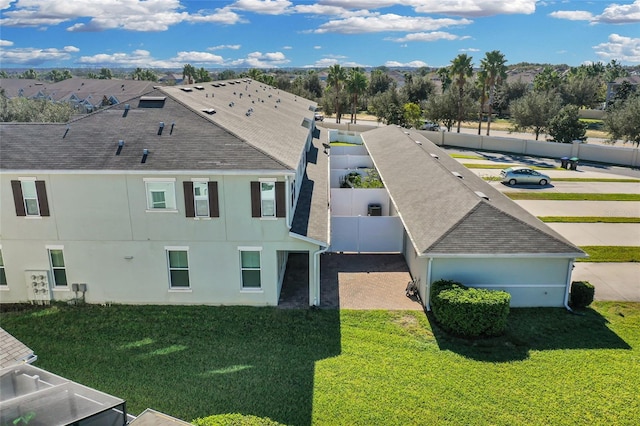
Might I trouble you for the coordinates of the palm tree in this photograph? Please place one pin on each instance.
(461, 69)
(482, 84)
(356, 85)
(336, 78)
(189, 72)
(445, 78)
(493, 64)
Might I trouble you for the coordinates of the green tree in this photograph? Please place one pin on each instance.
(412, 114)
(445, 78)
(508, 92)
(461, 69)
(225, 75)
(30, 74)
(202, 75)
(379, 82)
(566, 127)
(3, 74)
(189, 73)
(614, 70)
(493, 64)
(356, 86)
(583, 91)
(105, 74)
(23, 110)
(623, 121)
(547, 80)
(92, 75)
(534, 111)
(336, 78)
(387, 107)
(417, 89)
(311, 84)
(444, 109)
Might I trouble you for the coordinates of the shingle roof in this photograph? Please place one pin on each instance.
(12, 350)
(442, 213)
(268, 139)
(311, 218)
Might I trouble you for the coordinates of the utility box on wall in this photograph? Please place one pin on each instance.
(38, 289)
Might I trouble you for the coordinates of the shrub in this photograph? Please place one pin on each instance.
(235, 420)
(469, 312)
(582, 293)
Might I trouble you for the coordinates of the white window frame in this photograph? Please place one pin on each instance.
(204, 181)
(170, 268)
(3, 273)
(242, 269)
(54, 268)
(270, 181)
(30, 180)
(170, 196)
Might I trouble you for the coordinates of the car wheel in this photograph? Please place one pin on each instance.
(543, 182)
(512, 182)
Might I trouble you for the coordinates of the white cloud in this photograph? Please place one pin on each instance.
(474, 8)
(287, 47)
(225, 46)
(426, 37)
(4, 4)
(620, 13)
(198, 58)
(132, 15)
(572, 15)
(265, 7)
(34, 56)
(317, 47)
(388, 22)
(620, 48)
(261, 60)
(412, 64)
(5, 43)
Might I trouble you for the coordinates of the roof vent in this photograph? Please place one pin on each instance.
(456, 174)
(186, 89)
(66, 131)
(173, 123)
(127, 107)
(482, 195)
(160, 128)
(231, 104)
(434, 156)
(120, 146)
(418, 142)
(145, 153)
(209, 111)
(199, 87)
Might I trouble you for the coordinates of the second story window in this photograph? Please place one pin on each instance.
(161, 194)
(30, 197)
(201, 198)
(268, 199)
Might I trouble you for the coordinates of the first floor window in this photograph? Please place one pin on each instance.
(58, 271)
(161, 195)
(250, 268)
(178, 268)
(3, 276)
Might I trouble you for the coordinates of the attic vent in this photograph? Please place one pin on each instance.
(199, 87)
(209, 111)
(173, 123)
(456, 174)
(151, 101)
(145, 153)
(186, 89)
(120, 146)
(434, 156)
(231, 104)
(482, 195)
(215, 85)
(311, 107)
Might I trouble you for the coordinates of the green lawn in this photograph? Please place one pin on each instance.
(611, 254)
(330, 367)
(588, 219)
(571, 196)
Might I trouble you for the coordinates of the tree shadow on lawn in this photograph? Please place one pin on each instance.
(534, 329)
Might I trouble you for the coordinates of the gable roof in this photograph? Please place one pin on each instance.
(268, 139)
(443, 214)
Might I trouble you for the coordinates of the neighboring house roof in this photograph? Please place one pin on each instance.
(443, 214)
(151, 417)
(268, 139)
(13, 351)
(311, 218)
(14, 87)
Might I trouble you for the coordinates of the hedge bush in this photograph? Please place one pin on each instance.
(235, 420)
(582, 293)
(469, 312)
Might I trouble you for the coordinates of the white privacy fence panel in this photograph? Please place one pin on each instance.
(344, 136)
(348, 150)
(366, 234)
(351, 162)
(355, 202)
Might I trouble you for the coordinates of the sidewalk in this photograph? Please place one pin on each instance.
(613, 281)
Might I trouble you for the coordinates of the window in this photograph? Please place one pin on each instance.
(30, 197)
(250, 268)
(160, 194)
(58, 270)
(178, 261)
(3, 276)
(201, 198)
(268, 199)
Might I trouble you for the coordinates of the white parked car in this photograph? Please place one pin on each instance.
(516, 175)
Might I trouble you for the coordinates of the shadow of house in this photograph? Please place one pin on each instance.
(534, 330)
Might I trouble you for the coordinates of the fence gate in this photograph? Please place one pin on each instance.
(366, 234)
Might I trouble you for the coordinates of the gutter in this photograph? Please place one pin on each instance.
(568, 287)
(427, 287)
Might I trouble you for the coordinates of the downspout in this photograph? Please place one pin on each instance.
(428, 285)
(316, 277)
(568, 287)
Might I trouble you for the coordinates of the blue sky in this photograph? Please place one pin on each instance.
(314, 33)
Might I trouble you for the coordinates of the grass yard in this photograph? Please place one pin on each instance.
(330, 367)
(611, 254)
(571, 196)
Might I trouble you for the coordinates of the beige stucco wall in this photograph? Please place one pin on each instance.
(112, 243)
